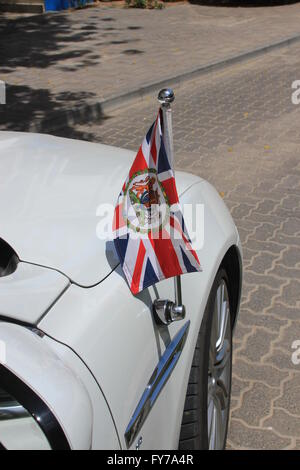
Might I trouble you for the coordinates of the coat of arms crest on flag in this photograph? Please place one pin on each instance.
(149, 231)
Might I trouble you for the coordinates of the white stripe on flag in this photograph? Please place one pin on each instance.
(131, 257)
(165, 175)
(146, 150)
(120, 232)
(157, 142)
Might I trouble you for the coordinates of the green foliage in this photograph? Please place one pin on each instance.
(151, 4)
(159, 5)
(139, 3)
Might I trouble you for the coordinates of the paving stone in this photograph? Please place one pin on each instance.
(284, 272)
(265, 231)
(259, 372)
(245, 224)
(290, 399)
(257, 345)
(242, 210)
(259, 245)
(284, 311)
(290, 181)
(284, 423)
(291, 202)
(240, 331)
(291, 258)
(238, 386)
(266, 320)
(292, 225)
(262, 262)
(266, 206)
(287, 240)
(291, 294)
(241, 436)
(289, 335)
(255, 279)
(260, 299)
(281, 359)
(256, 404)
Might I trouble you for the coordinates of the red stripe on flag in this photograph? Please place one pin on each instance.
(139, 163)
(165, 253)
(118, 220)
(169, 186)
(135, 283)
(175, 224)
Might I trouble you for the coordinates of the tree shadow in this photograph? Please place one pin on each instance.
(38, 110)
(63, 44)
(39, 41)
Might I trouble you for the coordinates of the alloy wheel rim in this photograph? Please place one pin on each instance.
(219, 370)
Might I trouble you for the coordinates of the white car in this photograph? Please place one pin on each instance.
(85, 364)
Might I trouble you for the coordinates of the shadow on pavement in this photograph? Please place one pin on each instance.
(38, 110)
(41, 42)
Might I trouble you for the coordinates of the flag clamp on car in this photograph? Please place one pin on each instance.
(150, 234)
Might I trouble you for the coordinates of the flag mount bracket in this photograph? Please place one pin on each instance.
(167, 311)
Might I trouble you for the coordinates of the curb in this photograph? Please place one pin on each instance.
(93, 111)
(9, 7)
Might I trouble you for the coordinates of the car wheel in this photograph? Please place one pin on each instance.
(206, 410)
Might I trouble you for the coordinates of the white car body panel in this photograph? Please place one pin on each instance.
(111, 331)
(104, 433)
(30, 291)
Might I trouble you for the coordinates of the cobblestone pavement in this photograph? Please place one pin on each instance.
(54, 61)
(239, 129)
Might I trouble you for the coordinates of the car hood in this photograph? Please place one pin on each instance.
(52, 192)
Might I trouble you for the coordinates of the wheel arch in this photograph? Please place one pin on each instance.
(232, 263)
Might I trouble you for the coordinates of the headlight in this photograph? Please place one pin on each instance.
(25, 420)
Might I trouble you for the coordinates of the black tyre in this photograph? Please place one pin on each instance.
(207, 403)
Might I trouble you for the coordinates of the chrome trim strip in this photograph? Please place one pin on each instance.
(156, 383)
(13, 411)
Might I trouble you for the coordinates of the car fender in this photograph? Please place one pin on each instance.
(34, 364)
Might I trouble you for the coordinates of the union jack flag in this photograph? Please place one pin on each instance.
(148, 228)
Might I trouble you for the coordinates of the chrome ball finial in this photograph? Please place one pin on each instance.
(166, 96)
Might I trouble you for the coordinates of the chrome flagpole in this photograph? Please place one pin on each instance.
(169, 311)
(165, 98)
